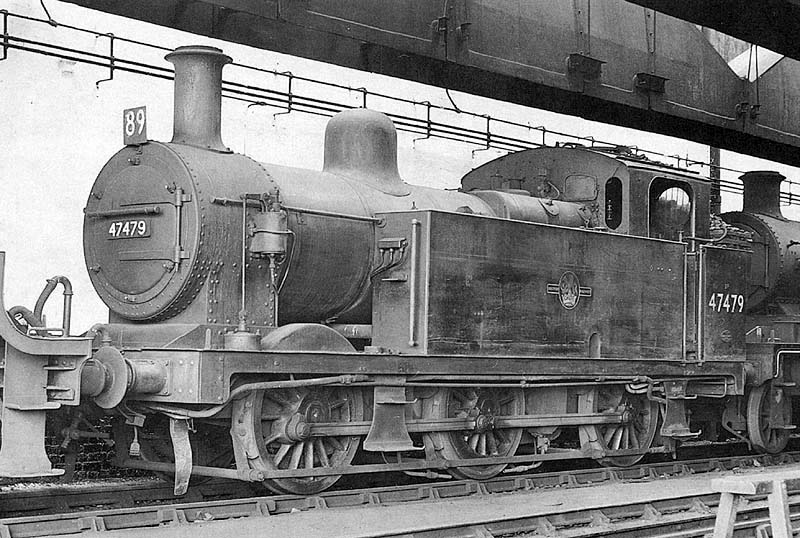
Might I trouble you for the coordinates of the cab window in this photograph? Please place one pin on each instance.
(613, 203)
(580, 188)
(671, 209)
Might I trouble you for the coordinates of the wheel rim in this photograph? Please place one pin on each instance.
(484, 441)
(281, 427)
(636, 432)
(760, 405)
(211, 444)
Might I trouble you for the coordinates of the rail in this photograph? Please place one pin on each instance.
(652, 509)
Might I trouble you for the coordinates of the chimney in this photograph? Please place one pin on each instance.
(198, 96)
(762, 192)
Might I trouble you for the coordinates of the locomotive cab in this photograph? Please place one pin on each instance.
(604, 183)
(672, 203)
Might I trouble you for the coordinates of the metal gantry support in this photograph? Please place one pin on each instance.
(286, 99)
(289, 101)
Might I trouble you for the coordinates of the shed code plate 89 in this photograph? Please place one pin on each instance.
(126, 229)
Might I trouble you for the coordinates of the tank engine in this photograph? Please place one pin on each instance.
(163, 219)
(267, 323)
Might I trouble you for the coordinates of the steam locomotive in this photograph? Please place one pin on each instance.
(290, 326)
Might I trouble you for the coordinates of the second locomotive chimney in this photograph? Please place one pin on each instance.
(762, 192)
(198, 96)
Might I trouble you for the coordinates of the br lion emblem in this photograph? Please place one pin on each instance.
(569, 290)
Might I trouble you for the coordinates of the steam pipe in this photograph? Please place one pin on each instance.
(102, 330)
(26, 314)
(48, 289)
(198, 96)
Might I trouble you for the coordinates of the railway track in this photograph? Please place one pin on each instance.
(55, 498)
(151, 505)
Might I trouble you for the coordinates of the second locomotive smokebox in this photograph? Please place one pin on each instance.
(723, 302)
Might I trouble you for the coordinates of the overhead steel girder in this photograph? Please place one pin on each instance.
(771, 24)
(610, 61)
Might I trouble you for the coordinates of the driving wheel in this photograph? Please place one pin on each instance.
(282, 422)
(769, 418)
(484, 440)
(636, 431)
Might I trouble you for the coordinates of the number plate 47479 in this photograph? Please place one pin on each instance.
(730, 303)
(127, 229)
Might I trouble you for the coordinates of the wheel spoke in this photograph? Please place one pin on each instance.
(297, 452)
(635, 440)
(271, 439)
(502, 436)
(321, 453)
(482, 444)
(338, 404)
(337, 444)
(308, 451)
(473, 442)
(638, 426)
(617, 439)
(280, 454)
(609, 433)
(491, 444)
